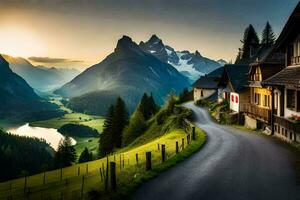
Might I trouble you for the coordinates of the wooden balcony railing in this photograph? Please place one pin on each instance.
(295, 60)
(288, 124)
(256, 111)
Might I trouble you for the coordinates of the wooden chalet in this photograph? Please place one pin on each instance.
(206, 87)
(286, 84)
(233, 86)
(258, 111)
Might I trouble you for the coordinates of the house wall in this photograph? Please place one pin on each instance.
(235, 101)
(206, 93)
(262, 92)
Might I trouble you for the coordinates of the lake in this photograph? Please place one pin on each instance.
(51, 135)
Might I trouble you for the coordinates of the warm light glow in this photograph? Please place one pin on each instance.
(17, 41)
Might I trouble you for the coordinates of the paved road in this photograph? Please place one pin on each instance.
(232, 165)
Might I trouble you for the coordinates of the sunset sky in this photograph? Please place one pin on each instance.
(79, 33)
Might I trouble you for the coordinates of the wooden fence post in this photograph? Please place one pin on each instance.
(137, 159)
(128, 158)
(177, 147)
(123, 162)
(101, 177)
(87, 169)
(194, 133)
(106, 177)
(148, 161)
(78, 171)
(163, 153)
(103, 168)
(113, 177)
(182, 143)
(188, 138)
(82, 187)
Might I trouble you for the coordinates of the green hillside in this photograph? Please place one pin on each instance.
(81, 179)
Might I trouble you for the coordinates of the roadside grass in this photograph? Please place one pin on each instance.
(129, 173)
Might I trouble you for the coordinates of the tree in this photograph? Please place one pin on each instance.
(85, 156)
(250, 45)
(106, 141)
(147, 106)
(268, 36)
(135, 128)
(66, 153)
(120, 121)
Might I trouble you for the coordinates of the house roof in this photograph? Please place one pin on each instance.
(217, 72)
(267, 55)
(289, 76)
(206, 82)
(290, 30)
(237, 75)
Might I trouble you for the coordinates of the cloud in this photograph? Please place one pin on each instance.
(53, 60)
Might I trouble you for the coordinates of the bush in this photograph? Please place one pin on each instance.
(78, 130)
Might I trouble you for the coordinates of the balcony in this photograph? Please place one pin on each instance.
(288, 124)
(295, 60)
(257, 112)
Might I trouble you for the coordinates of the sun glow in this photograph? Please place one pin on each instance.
(18, 41)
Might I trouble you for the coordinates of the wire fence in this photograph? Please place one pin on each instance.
(106, 174)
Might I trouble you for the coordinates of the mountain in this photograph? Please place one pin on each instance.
(127, 72)
(191, 65)
(39, 77)
(18, 101)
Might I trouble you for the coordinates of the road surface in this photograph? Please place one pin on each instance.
(233, 164)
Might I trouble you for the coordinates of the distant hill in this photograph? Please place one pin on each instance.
(127, 72)
(18, 101)
(192, 65)
(39, 77)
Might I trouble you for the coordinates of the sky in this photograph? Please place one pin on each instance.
(80, 33)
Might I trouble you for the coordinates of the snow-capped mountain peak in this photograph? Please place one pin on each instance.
(191, 65)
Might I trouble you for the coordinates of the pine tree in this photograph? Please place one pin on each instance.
(106, 138)
(85, 156)
(120, 121)
(66, 153)
(144, 107)
(135, 128)
(153, 108)
(268, 36)
(250, 43)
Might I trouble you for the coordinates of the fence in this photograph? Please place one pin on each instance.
(102, 175)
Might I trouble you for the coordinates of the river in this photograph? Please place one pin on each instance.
(50, 135)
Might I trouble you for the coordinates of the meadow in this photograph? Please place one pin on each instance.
(79, 180)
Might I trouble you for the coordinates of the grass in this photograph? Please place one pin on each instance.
(92, 143)
(128, 176)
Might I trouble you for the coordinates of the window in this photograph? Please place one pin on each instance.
(276, 101)
(201, 93)
(257, 98)
(265, 100)
(257, 76)
(232, 98)
(236, 99)
(291, 99)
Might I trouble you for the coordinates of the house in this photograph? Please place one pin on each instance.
(285, 85)
(258, 111)
(206, 87)
(233, 86)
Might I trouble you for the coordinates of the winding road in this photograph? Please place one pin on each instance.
(232, 165)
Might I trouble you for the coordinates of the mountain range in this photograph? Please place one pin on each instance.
(42, 79)
(127, 72)
(191, 65)
(18, 101)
